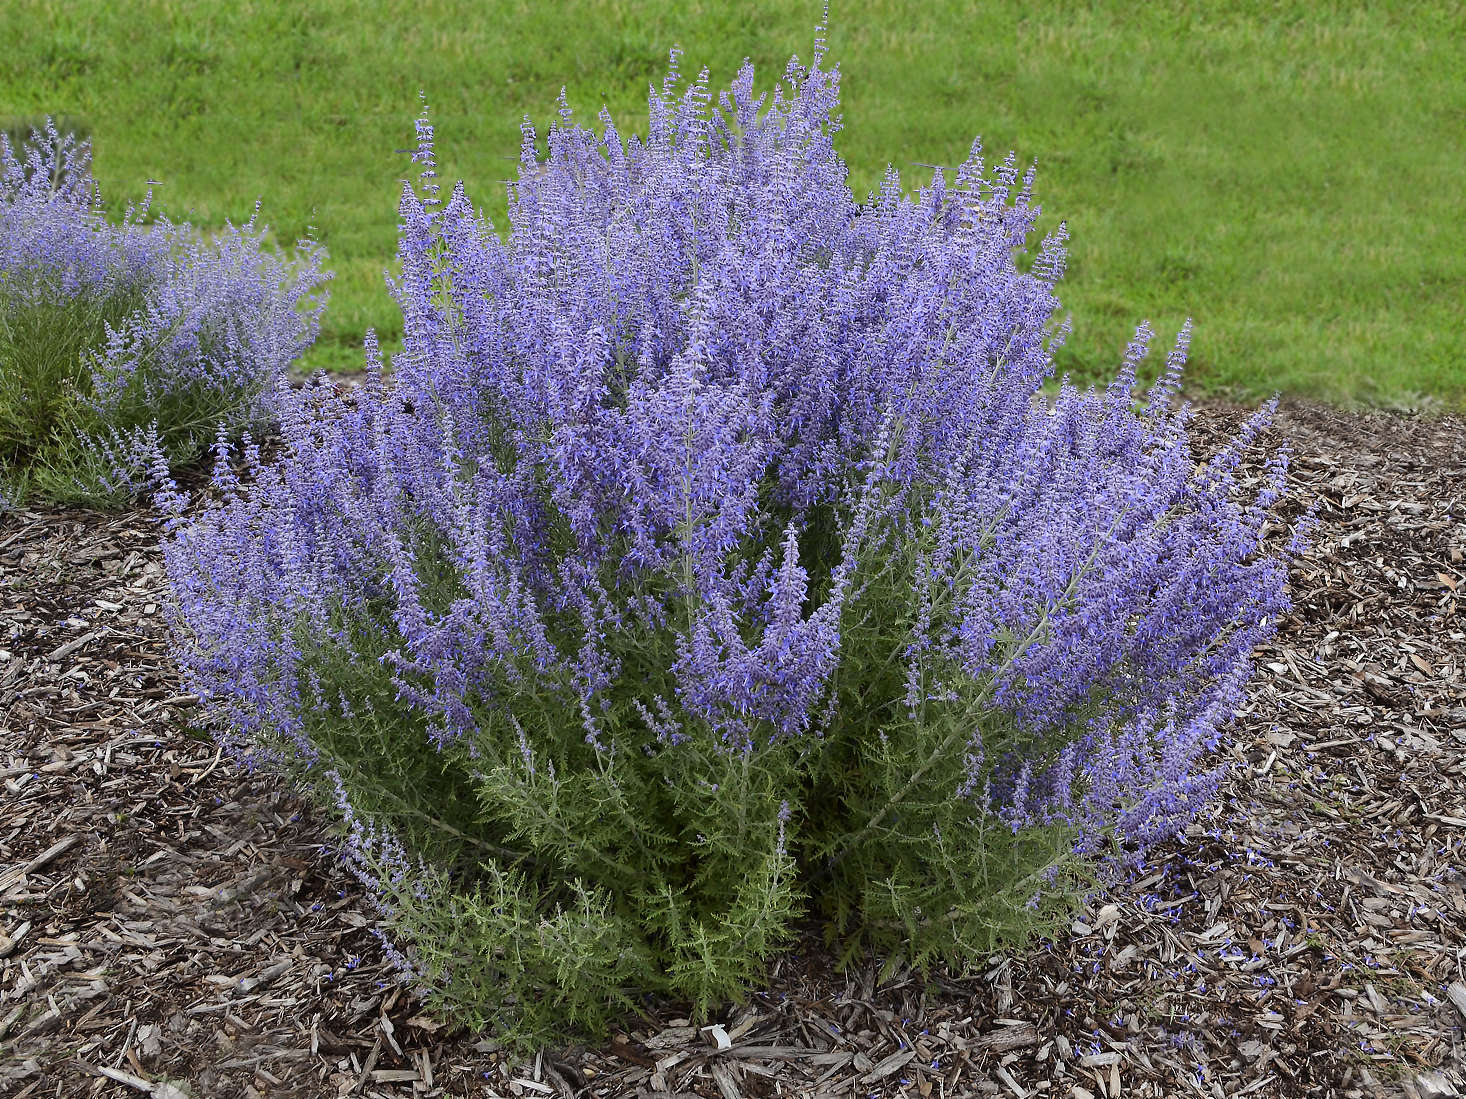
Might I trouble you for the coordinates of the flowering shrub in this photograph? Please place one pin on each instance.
(712, 559)
(115, 339)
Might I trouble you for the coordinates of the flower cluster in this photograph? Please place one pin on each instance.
(711, 551)
(116, 339)
(54, 237)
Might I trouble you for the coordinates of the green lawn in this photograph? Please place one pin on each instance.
(1290, 174)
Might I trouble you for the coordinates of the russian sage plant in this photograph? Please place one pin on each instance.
(712, 560)
(119, 339)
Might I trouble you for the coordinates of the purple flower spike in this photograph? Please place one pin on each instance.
(712, 531)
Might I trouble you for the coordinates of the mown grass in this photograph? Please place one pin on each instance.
(1288, 173)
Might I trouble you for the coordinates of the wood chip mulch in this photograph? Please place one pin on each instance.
(172, 927)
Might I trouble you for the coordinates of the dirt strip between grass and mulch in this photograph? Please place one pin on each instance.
(171, 926)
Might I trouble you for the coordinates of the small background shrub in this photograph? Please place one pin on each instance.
(713, 558)
(119, 338)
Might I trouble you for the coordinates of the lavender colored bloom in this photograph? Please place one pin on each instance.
(225, 316)
(54, 238)
(137, 336)
(709, 522)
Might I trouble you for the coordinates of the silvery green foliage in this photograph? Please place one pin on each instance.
(711, 557)
(116, 339)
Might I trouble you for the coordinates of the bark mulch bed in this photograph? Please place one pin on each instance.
(171, 926)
